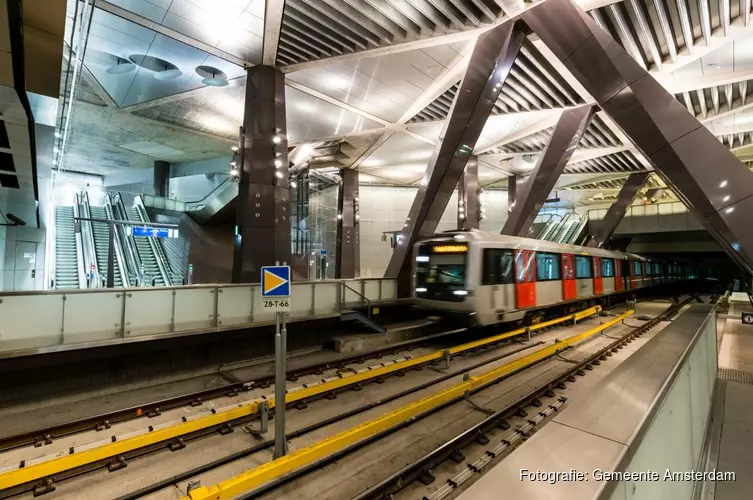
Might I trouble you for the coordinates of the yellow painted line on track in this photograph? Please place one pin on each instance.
(270, 471)
(48, 466)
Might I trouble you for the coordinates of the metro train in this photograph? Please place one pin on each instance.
(498, 279)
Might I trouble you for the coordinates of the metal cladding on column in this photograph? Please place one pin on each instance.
(469, 210)
(512, 191)
(493, 55)
(616, 212)
(348, 261)
(264, 193)
(161, 178)
(708, 178)
(552, 161)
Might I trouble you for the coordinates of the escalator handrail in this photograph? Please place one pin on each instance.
(79, 238)
(565, 226)
(159, 243)
(150, 241)
(125, 279)
(133, 258)
(90, 248)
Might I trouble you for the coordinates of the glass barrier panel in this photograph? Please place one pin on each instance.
(650, 210)
(148, 311)
(389, 289)
(93, 316)
(665, 208)
(29, 321)
(326, 297)
(301, 299)
(638, 211)
(194, 309)
(235, 305)
(350, 296)
(371, 289)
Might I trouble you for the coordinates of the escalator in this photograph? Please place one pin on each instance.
(67, 259)
(100, 232)
(146, 252)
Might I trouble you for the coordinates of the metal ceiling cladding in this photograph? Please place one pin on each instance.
(315, 29)
(531, 85)
(613, 217)
(624, 161)
(490, 64)
(704, 174)
(531, 197)
(597, 135)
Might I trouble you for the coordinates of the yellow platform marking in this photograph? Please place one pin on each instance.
(258, 476)
(272, 281)
(49, 466)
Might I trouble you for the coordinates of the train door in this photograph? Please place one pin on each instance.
(568, 277)
(619, 280)
(525, 278)
(598, 279)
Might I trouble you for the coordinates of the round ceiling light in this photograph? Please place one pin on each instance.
(168, 74)
(212, 76)
(121, 67)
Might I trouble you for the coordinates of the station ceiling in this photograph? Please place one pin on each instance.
(372, 81)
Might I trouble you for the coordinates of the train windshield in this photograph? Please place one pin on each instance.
(440, 270)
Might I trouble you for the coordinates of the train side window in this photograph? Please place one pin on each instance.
(582, 267)
(497, 269)
(547, 266)
(607, 267)
(648, 266)
(637, 268)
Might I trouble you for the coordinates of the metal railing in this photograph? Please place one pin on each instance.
(123, 252)
(85, 318)
(665, 208)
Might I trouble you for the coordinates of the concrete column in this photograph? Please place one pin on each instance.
(713, 183)
(606, 226)
(512, 191)
(162, 179)
(552, 161)
(469, 213)
(347, 259)
(491, 60)
(263, 193)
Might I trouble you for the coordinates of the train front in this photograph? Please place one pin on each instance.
(442, 279)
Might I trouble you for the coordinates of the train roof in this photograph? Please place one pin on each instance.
(515, 242)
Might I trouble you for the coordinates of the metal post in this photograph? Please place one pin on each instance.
(111, 256)
(281, 446)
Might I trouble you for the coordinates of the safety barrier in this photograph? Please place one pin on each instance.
(50, 320)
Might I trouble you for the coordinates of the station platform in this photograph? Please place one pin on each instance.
(80, 319)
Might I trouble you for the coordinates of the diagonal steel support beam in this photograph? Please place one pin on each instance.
(552, 161)
(616, 212)
(492, 58)
(706, 176)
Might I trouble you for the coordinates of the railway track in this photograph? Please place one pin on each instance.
(86, 458)
(103, 421)
(269, 477)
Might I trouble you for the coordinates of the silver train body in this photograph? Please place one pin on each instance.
(497, 279)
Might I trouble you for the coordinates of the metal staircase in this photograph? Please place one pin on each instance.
(67, 258)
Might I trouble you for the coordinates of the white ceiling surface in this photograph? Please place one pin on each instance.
(354, 97)
(232, 26)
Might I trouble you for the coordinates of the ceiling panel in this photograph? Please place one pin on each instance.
(383, 86)
(315, 29)
(400, 149)
(219, 111)
(115, 42)
(234, 26)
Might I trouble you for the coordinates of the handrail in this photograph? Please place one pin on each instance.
(127, 243)
(125, 278)
(88, 235)
(78, 235)
(156, 246)
(364, 299)
(209, 195)
(564, 225)
(150, 242)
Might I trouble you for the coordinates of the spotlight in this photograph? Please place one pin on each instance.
(278, 163)
(234, 172)
(276, 139)
(279, 175)
(234, 149)
(293, 184)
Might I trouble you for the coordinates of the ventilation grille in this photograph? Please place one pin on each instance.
(736, 376)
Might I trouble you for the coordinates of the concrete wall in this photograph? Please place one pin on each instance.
(29, 234)
(2, 257)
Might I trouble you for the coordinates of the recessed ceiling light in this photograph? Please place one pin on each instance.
(168, 74)
(215, 82)
(121, 67)
(212, 76)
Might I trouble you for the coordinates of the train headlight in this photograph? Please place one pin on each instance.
(420, 290)
(422, 258)
(460, 292)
